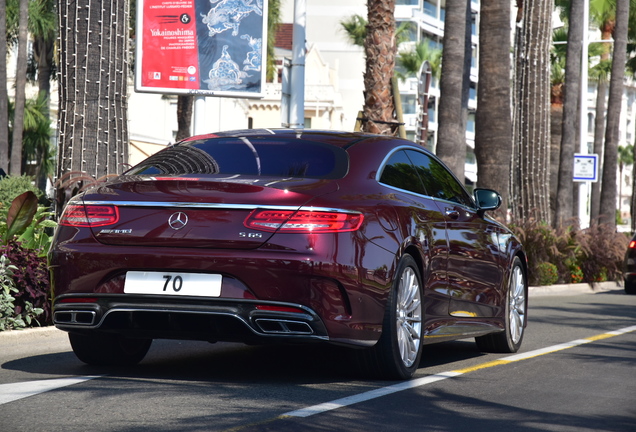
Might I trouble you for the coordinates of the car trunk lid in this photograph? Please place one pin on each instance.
(195, 212)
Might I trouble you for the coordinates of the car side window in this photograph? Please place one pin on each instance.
(438, 180)
(400, 173)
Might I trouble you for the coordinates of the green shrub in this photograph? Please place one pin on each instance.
(594, 254)
(575, 273)
(10, 318)
(24, 242)
(601, 253)
(11, 187)
(31, 278)
(544, 244)
(547, 273)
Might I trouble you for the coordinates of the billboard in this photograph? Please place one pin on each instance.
(201, 47)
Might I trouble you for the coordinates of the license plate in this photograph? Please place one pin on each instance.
(168, 283)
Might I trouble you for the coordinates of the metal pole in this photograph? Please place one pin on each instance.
(199, 116)
(297, 99)
(584, 188)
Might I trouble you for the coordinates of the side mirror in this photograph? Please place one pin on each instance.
(487, 199)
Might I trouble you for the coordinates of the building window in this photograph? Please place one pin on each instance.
(470, 124)
(408, 104)
(430, 8)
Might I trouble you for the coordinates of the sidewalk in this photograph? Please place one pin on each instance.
(538, 291)
(573, 289)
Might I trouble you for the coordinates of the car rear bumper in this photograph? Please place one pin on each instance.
(188, 318)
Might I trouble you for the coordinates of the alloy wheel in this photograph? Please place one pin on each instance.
(409, 317)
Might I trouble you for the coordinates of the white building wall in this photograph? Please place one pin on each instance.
(323, 30)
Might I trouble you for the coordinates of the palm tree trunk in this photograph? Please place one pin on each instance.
(93, 84)
(599, 131)
(451, 137)
(493, 123)
(185, 105)
(4, 95)
(20, 96)
(531, 128)
(380, 49)
(610, 159)
(565, 187)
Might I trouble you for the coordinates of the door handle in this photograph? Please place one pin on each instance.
(452, 213)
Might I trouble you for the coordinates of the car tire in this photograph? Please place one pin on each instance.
(630, 288)
(509, 340)
(108, 349)
(399, 349)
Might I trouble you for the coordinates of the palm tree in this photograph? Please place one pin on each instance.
(531, 126)
(451, 135)
(599, 73)
(625, 159)
(619, 58)
(43, 29)
(380, 49)
(565, 187)
(493, 123)
(4, 95)
(355, 28)
(15, 167)
(93, 85)
(273, 21)
(37, 151)
(410, 61)
(557, 81)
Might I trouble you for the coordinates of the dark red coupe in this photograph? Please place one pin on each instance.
(261, 236)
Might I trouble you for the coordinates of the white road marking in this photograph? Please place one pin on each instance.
(15, 391)
(372, 394)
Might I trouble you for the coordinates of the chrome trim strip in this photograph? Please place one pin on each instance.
(221, 206)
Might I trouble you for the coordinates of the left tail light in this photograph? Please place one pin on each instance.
(303, 221)
(89, 215)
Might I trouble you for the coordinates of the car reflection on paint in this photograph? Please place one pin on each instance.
(262, 236)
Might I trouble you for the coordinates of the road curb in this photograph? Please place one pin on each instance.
(31, 333)
(573, 289)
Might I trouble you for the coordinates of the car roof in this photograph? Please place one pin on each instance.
(336, 138)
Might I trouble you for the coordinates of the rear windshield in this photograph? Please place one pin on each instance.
(253, 156)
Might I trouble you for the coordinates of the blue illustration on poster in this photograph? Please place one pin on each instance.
(221, 49)
(227, 14)
(225, 73)
(253, 59)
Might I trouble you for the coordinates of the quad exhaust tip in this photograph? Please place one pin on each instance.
(86, 318)
(289, 327)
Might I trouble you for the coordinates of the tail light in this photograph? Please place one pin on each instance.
(303, 221)
(89, 215)
(77, 300)
(632, 244)
(272, 308)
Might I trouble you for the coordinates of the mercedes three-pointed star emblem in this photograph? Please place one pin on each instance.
(178, 220)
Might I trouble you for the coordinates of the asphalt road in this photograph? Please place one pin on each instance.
(575, 372)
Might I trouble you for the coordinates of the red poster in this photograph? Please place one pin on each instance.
(170, 52)
(203, 47)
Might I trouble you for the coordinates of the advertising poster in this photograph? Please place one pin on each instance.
(202, 47)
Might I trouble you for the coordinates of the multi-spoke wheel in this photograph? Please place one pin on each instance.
(408, 319)
(397, 353)
(509, 340)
